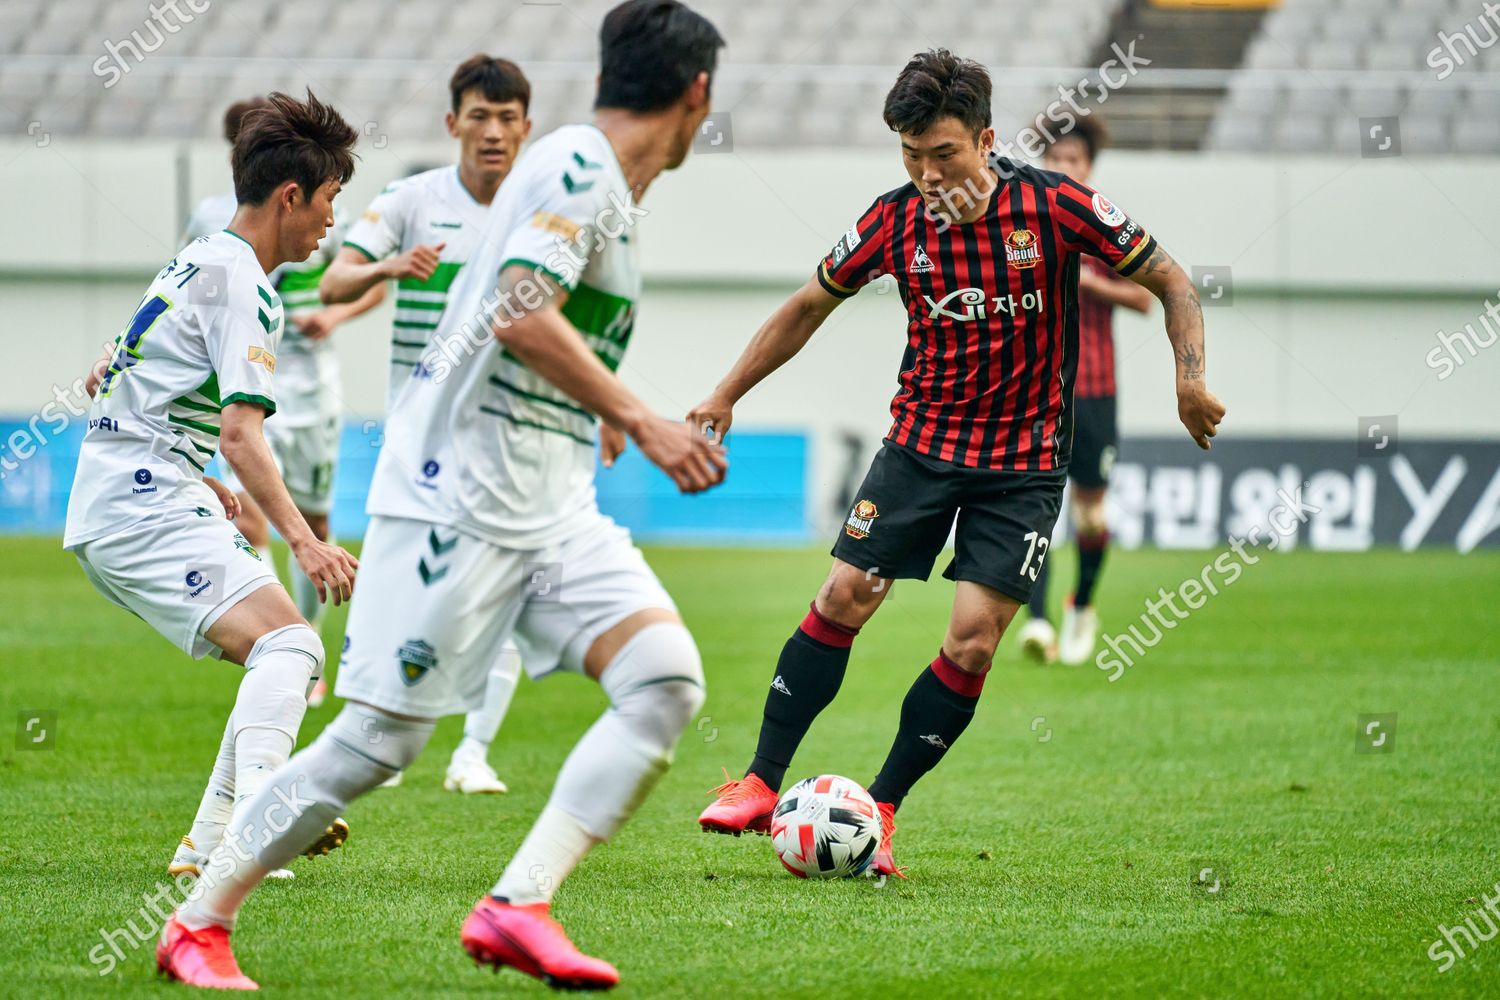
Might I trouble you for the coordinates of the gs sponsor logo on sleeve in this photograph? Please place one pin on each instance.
(551, 222)
(1128, 233)
(264, 358)
(845, 246)
(1108, 212)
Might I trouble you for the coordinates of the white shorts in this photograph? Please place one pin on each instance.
(178, 571)
(307, 458)
(434, 607)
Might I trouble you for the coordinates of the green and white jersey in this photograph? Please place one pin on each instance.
(205, 335)
(307, 375)
(426, 208)
(477, 440)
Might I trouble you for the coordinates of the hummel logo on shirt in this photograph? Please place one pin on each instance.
(780, 685)
(935, 740)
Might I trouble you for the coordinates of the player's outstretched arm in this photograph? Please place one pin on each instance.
(243, 444)
(1199, 410)
(777, 341)
(531, 325)
(352, 274)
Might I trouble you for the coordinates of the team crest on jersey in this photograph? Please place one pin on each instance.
(1109, 213)
(417, 658)
(920, 262)
(861, 519)
(264, 358)
(370, 215)
(1022, 250)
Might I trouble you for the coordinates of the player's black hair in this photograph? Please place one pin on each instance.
(499, 80)
(1087, 129)
(235, 114)
(938, 84)
(291, 140)
(650, 51)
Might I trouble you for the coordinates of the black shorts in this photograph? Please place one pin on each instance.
(1096, 441)
(904, 511)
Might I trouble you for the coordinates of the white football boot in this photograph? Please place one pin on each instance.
(1039, 640)
(1080, 630)
(470, 773)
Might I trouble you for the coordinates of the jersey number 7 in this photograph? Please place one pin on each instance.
(128, 344)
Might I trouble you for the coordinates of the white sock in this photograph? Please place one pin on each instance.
(481, 725)
(218, 798)
(553, 848)
(270, 705)
(655, 686)
(361, 748)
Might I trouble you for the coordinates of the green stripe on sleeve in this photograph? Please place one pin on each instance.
(246, 397)
(356, 246)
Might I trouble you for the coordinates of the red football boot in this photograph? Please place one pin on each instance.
(526, 938)
(200, 958)
(883, 863)
(741, 806)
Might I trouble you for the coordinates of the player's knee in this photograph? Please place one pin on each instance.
(851, 598)
(971, 645)
(296, 643)
(1090, 520)
(375, 742)
(656, 684)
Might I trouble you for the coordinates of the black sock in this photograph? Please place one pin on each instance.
(1090, 559)
(1038, 603)
(808, 675)
(936, 711)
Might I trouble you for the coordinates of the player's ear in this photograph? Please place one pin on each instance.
(987, 141)
(291, 192)
(451, 120)
(697, 91)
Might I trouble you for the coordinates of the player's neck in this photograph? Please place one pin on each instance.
(259, 228)
(474, 182)
(638, 144)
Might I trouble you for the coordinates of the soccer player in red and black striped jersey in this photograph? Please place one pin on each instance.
(1095, 437)
(985, 252)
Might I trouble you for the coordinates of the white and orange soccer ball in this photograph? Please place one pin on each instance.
(825, 827)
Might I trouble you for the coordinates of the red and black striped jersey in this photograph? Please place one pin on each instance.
(992, 312)
(1096, 337)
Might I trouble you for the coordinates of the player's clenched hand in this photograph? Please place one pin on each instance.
(1200, 412)
(419, 262)
(693, 461)
(226, 497)
(316, 325)
(713, 414)
(611, 444)
(329, 567)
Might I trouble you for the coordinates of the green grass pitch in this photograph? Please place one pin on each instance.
(1047, 858)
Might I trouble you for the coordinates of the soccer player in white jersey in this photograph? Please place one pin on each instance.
(484, 516)
(191, 375)
(304, 437)
(419, 232)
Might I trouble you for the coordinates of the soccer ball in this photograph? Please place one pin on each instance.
(825, 827)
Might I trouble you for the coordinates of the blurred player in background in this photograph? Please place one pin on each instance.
(985, 254)
(304, 438)
(484, 520)
(1096, 438)
(192, 375)
(419, 232)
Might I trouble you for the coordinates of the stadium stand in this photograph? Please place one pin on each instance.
(1291, 78)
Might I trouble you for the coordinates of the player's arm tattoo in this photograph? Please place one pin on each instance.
(1184, 313)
